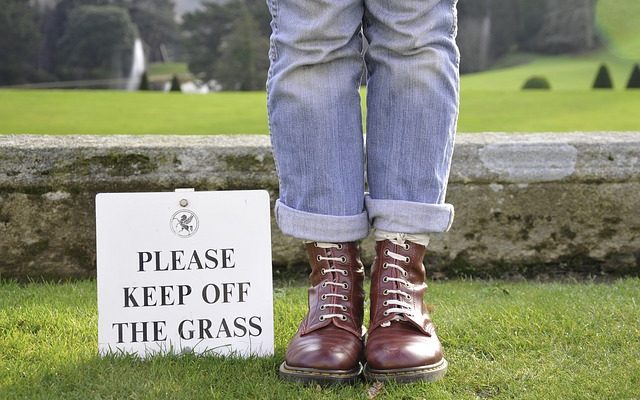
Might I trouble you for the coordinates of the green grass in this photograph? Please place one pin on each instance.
(544, 111)
(617, 20)
(167, 69)
(503, 341)
(114, 112)
(111, 112)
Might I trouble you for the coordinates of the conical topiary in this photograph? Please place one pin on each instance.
(634, 79)
(175, 84)
(536, 82)
(144, 82)
(603, 78)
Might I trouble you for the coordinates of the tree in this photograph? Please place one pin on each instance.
(634, 78)
(556, 27)
(243, 61)
(144, 82)
(155, 20)
(203, 30)
(536, 82)
(229, 42)
(175, 84)
(97, 42)
(54, 26)
(603, 78)
(19, 42)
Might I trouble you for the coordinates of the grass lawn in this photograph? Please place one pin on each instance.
(503, 341)
(167, 69)
(617, 20)
(111, 112)
(114, 112)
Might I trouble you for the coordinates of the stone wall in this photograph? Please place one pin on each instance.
(526, 204)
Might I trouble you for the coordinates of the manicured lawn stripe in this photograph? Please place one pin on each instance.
(111, 112)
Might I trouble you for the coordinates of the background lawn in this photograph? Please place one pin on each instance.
(617, 20)
(118, 112)
(112, 112)
(503, 341)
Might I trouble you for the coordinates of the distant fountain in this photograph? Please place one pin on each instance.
(137, 66)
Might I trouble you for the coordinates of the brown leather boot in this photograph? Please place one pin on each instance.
(402, 344)
(328, 345)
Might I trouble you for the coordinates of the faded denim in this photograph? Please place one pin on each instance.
(315, 118)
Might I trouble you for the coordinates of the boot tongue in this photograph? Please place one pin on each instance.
(397, 318)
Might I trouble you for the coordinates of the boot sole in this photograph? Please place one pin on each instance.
(319, 376)
(429, 373)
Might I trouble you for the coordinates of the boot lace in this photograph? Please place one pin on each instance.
(336, 285)
(397, 305)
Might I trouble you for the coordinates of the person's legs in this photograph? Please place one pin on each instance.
(412, 112)
(316, 131)
(412, 109)
(315, 118)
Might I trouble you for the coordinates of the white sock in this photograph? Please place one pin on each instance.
(399, 238)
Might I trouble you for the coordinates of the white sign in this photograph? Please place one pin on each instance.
(184, 271)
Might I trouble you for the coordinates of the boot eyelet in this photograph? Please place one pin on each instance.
(323, 297)
(407, 259)
(321, 318)
(345, 285)
(318, 257)
(345, 298)
(339, 246)
(323, 307)
(385, 266)
(385, 303)
(385, 279)
(409, 297)
(406, 246)
(385, 292)
(386, 313)
(407, 285)
(386, 252)
(324, 284)
(405, 273)
(343, 259)
(343, 317)
(323, 271)
(345, 272)
(344, 308)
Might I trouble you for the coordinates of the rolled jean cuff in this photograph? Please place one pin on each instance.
(321, 228)
(408, 216)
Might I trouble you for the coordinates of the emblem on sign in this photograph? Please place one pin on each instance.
(184, 223)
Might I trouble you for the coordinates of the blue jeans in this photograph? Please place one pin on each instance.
(315, 115)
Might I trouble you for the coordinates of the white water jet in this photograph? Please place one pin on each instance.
(137, 66)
